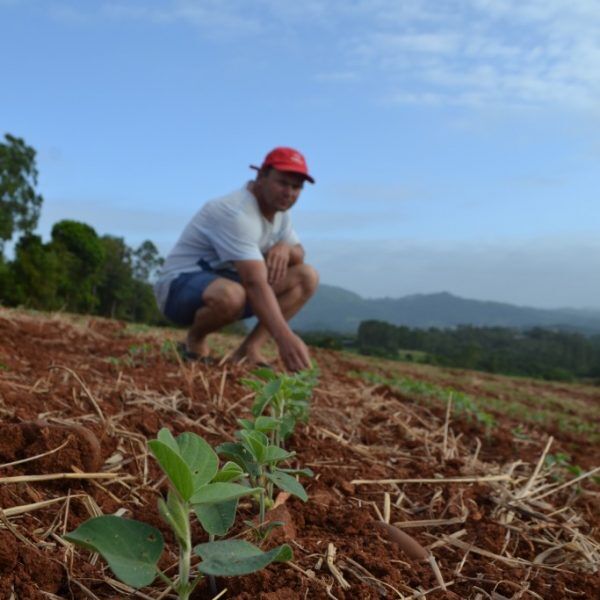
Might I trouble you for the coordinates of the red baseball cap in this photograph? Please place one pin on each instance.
(286, 159)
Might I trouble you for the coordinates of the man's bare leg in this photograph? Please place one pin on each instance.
(224, 302)
(292, 293)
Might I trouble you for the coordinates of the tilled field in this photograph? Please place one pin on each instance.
(500, 513)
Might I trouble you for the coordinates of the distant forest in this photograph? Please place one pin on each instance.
(77, 270)
(80, 271)
(535, 352)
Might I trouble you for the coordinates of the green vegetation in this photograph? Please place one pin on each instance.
(260, 461)
(461, 403)
(561, 462)
(132, 548)
(80, 272)
(530, 402)
(77, 270)
(198, 486)
(260, 452)
(536, 352)
(19, 202)
(285, 397)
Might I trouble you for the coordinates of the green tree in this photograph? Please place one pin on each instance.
(6, 282)
(143, 308)
(81, 254)
(33, 275)
(19, 203)
(123, 290)
(115, 285)
(146, 261)
(377, 338)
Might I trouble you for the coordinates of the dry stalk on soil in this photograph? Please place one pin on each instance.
(493, 527)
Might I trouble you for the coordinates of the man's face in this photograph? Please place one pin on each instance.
(280, 189)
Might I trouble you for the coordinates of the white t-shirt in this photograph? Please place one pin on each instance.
(224, 230)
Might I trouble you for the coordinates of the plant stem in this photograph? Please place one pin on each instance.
(261, 517)
(212, 582)
(185, 559)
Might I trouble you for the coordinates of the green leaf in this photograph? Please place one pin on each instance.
(265, 374)
(266, 424)
(231, 449)
(306, 472)
(217, 519)
(199, 456)
(174, 466)
(131, 548)
(215, 493)
(265, 396)
(240, 455)
(256, 443)
(253, 384)
(272, 387)
(166, 437)
(288, 424)
(276, 454)
(175, 515)
(246, 424)
(287, 483)
(229, 471)
(237, 557)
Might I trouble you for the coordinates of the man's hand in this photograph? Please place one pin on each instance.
(277, 259)
(294, 353)
(260, 294)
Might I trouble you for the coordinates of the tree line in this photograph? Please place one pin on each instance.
(535, 352)
(77, 270)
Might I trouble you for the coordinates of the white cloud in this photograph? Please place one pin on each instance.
(491, 52)
(478, 53)
(213, 17)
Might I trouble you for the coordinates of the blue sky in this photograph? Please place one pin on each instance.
(455, 144)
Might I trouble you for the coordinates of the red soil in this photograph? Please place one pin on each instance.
(97, 392)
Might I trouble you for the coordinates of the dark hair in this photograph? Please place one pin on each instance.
(264, 171)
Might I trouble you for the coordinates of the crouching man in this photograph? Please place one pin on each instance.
(240, 256)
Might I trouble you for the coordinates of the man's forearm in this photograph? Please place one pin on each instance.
(264, 304)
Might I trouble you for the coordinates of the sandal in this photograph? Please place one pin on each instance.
(189, 356)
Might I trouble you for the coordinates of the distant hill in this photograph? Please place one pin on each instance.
(336, 309)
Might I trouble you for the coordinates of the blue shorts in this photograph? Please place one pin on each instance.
(185, 295)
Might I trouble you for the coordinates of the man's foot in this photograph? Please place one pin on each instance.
(198, 347)
(251, 357)
(189, 356)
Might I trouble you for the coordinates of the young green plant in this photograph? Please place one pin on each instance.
(132, 548)
(260, 460)
(285, 397)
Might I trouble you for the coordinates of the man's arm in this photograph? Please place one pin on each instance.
(281, 256)
(263, 301)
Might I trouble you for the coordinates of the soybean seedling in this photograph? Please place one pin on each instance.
(132, 548)
(260, 460)
(285, 397)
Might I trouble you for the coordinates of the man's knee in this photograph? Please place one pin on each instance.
(309, 279)
(228, 300)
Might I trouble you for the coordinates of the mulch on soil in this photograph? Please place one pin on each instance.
(80, 397)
